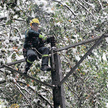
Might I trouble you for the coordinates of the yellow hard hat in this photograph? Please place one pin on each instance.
(35, 20)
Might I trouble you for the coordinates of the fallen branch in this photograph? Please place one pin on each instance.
(65, 6)
(85, 8)
(13, 63)
(1, 71)
(80, 43)
(23, 94)
(27, 76)
(3, 18)
(3, 81)
(83, 58)
(37, 93)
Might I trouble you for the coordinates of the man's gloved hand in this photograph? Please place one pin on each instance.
(50, 39)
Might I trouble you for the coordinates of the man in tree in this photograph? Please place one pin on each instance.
(34, 45)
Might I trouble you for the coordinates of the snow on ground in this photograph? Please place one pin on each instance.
(107, 105)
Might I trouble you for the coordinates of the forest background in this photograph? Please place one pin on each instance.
(69, 21)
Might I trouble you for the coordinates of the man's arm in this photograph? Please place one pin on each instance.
(44, 38)
(32, 33)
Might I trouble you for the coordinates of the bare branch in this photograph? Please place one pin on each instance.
(37, 93)
(3, 81)
(17, 30)
(18, 19)
(100, 4)
(85, 8)
(3, 18)
(71, 89)
(81, 60)
(13, 63)
(1, 71)
(81, 43)
(23, 94)
(27, 76)
(65, 6)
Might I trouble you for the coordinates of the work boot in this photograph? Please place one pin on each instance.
(45, 68)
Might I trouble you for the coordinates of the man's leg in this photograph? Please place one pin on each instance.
(31, 56)
(45, 53)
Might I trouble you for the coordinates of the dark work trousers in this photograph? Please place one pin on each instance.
(32, 55)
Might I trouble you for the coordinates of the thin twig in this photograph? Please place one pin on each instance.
(3, 81)
(71, 89)
(37, 93)
(85, 8)
(18, 19)
(27, 76)
(13, 63)
(100, 4)
(1, 71)
(65, 6)
(23, 94)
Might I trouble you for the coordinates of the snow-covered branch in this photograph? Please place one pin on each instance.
(37, 93)
(17, 85)
(65, 6)
(85, 8)
(3, 81)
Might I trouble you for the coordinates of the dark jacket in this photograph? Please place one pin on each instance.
(33, 39)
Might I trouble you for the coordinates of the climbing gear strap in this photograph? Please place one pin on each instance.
(29, 61)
